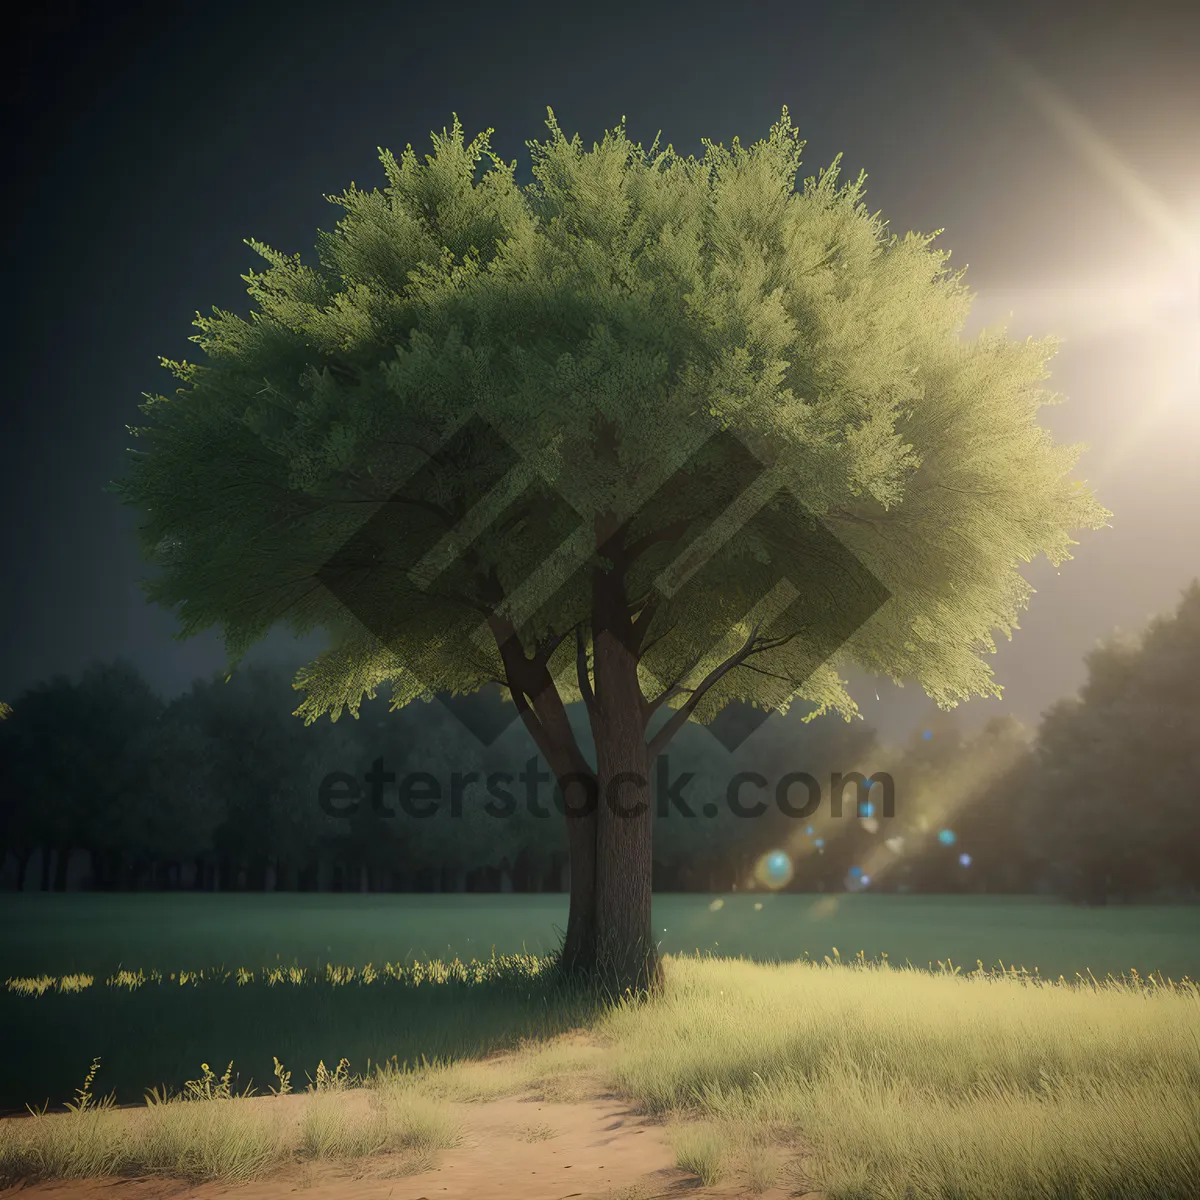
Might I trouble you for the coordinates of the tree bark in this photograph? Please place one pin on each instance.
(579, 943)
(626, 954)
(534, 692)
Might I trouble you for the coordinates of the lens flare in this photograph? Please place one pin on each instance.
(946, 837)
(857, 879)
(774, 870)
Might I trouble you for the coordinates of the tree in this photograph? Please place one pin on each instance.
(74, 767)
(639, 362)
(263, 773)
(960, 794)
(1119, 764)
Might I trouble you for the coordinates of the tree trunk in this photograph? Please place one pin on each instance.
(609, 938)
(626, 955)
(60, 868)
(534, 690)
(23, 858)
(579, 944)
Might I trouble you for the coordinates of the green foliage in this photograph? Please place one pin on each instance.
(261, 769)
(1119, 763)
(607, 321)
(87, 761)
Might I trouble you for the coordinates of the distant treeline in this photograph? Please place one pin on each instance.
(106, 785)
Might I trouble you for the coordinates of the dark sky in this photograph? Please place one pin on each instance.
(1058, 145)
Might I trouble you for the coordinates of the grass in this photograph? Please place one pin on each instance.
(904, 1084)
(94, 934)
(395, 1122)
(150, 1028)
(700, 1148)
(866, 1081)
(230, 1140)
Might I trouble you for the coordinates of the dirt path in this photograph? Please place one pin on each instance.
(513, 1149)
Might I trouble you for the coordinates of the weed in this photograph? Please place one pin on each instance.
(325, 1080)
(285, 1080)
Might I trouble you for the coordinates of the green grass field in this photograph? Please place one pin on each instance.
(867, 1081)
(863, 1081)
(60, 934)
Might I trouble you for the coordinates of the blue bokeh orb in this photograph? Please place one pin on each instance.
(774, 870)
(964, 860)
(946, 837)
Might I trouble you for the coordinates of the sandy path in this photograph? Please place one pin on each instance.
(592, 1147)
(599, 1150)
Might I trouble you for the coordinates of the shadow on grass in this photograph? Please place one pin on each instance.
(156, 1032)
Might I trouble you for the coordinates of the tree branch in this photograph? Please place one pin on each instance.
(752, 645)
(641, 623)
(581, 671)
(672, 727)
(543, 712)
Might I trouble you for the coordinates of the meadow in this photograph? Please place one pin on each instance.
(861, 1078)
(47, 933)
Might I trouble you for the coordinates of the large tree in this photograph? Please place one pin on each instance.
(670, 432)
